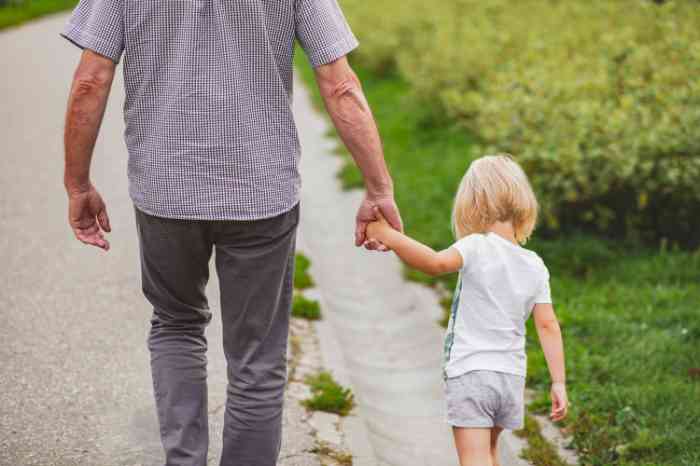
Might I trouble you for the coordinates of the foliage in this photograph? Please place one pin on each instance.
(305, 308)
(15, 12)
(599, 101)
(302, 279)
(328, 395)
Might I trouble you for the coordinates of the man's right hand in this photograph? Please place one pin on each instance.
(87, 216)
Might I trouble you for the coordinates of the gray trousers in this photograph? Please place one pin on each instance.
(255, 265)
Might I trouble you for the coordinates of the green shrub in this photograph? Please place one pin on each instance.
(305, 308)
(599, 101)
(302, 279)
(328, 395)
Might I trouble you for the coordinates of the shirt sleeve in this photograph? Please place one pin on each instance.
(322, 31)
(467, 248)
(544, 294)
(98, 25)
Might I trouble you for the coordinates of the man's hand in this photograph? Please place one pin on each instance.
(87, 215)
(366, 215)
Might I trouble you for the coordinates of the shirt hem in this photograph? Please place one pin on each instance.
(237, 217)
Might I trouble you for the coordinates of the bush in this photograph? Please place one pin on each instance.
(599, 101)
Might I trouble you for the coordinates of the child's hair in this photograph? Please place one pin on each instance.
(494, 189)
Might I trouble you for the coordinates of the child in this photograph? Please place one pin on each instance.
(500, 284)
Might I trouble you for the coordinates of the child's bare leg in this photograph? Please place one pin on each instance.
(495, 432)
(473, 446)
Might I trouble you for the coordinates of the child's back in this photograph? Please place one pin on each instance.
(499, 284)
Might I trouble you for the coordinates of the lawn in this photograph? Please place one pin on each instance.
(629, 313)
(19, 12)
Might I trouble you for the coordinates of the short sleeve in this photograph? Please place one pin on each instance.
(544, 294)
(98, 25)
(467, 248)
(322, 31)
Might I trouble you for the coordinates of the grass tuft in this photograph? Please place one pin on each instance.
(539, 451)
(328, 395)
(302, 279)
(305, 308)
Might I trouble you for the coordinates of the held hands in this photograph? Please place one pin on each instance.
(87, 216)
(378, 229)
(560, 401)
(370, 211)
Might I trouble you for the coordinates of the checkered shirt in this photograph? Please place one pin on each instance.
(209, 125)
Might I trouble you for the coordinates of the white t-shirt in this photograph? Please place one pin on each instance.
(499, 284)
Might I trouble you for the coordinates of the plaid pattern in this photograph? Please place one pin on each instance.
(209, 126)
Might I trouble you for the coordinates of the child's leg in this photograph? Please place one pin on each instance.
(473, 446)
(495, 431)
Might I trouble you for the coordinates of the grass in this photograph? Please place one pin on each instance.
(539, 451)
(328, 395)
(302, 279)
(23, 11)
(305, 308)
(630, 313)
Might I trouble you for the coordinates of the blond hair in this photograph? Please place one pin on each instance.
(494, 189)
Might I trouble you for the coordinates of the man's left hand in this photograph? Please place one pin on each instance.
(365, 215)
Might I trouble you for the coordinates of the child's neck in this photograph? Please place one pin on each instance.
(504, 230)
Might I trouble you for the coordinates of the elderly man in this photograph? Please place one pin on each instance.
(213, 165)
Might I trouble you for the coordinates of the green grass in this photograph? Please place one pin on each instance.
(539, 451)
(305, 308)
(630, 314)
(328, 395)
(29, 9)
(302, 279)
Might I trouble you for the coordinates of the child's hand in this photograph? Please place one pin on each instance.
(560, 401)
(378, 229)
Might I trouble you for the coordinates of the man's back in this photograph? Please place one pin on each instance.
(209, 126)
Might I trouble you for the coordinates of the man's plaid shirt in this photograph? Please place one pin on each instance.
(209, 126)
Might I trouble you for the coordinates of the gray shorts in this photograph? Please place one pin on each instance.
(486, 399)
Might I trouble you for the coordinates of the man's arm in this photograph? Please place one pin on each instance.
(352, 117)
(89, 92)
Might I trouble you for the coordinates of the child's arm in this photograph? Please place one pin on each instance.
(415, 254)
(553, 347)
